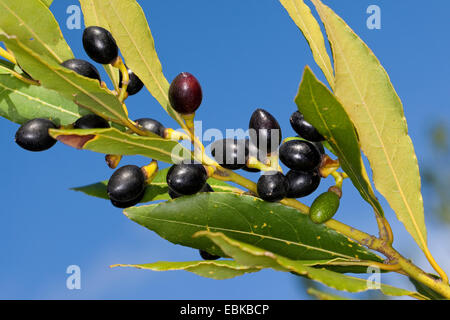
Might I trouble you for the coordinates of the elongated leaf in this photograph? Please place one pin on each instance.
(33, 23)
(308, 25)
(157, 190)
(86, 92)
(321, 108)
(132, 33)
(271, 226)
(321, 295)
(94, 17)
(218, 270)
(20, 102)
(113, 141)
(364, 88)
(256, 257)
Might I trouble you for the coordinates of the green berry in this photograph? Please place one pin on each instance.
(324, 207)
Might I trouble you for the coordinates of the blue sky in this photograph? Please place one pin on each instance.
(247, 54)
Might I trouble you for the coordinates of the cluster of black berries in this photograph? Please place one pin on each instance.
(302, 155)
(102, 48)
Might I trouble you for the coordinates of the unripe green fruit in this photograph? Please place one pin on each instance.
(324, 207)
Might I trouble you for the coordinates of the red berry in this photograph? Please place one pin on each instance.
(185, 93)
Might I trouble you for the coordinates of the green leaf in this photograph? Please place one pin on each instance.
(218, 270)
(308, 25)
(6, 67)
(364, 88)
(321, 108)
(113, 141)
(157, 190)
(252, 256)
(132, 33)
(33, 23)
(85, 91)
(94, 17)
(321, 295)
(271, 226)
(20, 102)
(426, 291)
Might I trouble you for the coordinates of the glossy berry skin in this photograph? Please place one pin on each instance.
(128, 204)
(300, 155)
(207, 256)
(134, 86)
(127, 186)
(33, 135)
(185, 93)
(83, 68)
(186, 179)
(230, 153)
(263, 129)
(272, 186)
(151, 125)
(302, 183)
(91, 121)
(304, 129)
(100, 45)
(174, 195)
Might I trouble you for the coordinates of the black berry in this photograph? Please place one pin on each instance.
(34, 136)
(134, 86)
(300, 155)
(207, 256)
(272, 186)
(91, 121)
(151, 125)
(185, 93)
(100, 45)
(186, 179)
(83, 68)
(230, 153)
(127, 186)
(302, 183)
(304, 129)
(174, 195)
(265, 131)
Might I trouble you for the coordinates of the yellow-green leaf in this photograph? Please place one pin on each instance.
(308, 25)
(94, 17)
(253, 256)
(132, 33)
(365, 90)
(218, 270)
(33, 23)
(321, 295)
(113, 141)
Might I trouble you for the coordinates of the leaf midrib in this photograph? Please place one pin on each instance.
(59, 109)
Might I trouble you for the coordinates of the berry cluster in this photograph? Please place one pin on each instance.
(260, 152)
